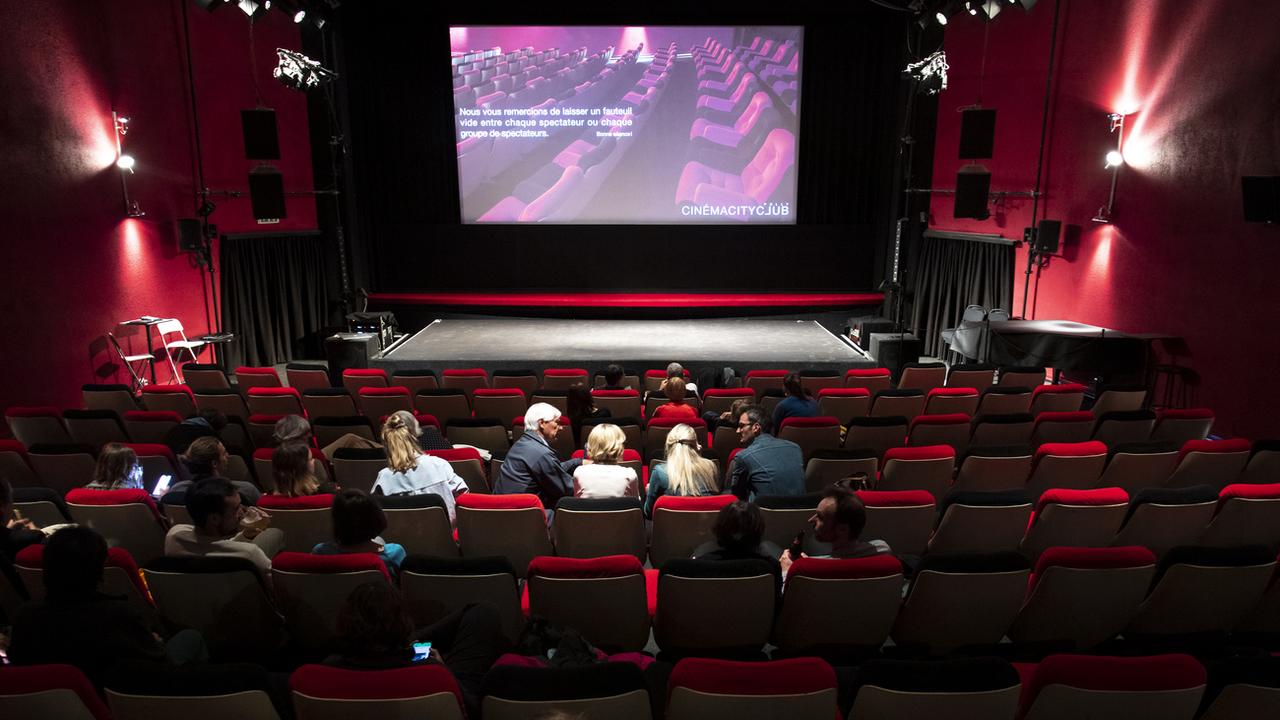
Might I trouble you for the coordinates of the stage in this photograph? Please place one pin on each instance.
(699, 344)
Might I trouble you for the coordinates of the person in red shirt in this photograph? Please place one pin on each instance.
(676, 407)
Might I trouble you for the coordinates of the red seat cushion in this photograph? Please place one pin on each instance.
(883, 565)
(406, 682)
(168, 390)
(844, 392)
(821, 421)
(393, 391)
(275, 392)
(895, 498)
(707, 503)
(466, 372)
(42, 411)
(868, 372)
(729, 392)
(1128, 556)
(954, 391)
(1060, 388)
(941, 419)
(1096, 496)
(499, 392)
(608, 566)
(365, 372)
(153, 449)
(564, 372)
(628, 392)
(20, 680)
(1247, 491)
(152, 416)
(297, 562)
(456, 454)
(1080, 449)
(921, 452)
(305, 502)
(1234, 445)
(515, 501)
(796, 676)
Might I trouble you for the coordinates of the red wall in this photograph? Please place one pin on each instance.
(1200, 82)
(74, 265)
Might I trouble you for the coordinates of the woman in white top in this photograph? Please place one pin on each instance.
(600, 475)
(409, 471)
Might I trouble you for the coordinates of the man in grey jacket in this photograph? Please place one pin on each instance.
(531, 466)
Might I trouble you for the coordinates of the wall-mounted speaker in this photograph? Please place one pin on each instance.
(261, 141)
(973, 183)
(266, 191)
(1048, 233)
(977, 133)
(1261, 198)
(189, 235)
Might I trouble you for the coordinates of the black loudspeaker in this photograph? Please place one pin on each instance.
(348, 350)
(977, 133)
(973, 182)
(1261, 199)
(189, 235)
(1047, 234)
(893, 350)
(261, 141)
(266, 191)
(863, 327)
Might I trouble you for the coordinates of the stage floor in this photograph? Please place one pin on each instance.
(539, 343)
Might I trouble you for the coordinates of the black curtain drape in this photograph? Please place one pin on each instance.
(951, 273)
(273, 296)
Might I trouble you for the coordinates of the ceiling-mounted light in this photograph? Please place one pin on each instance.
(300, 72)
(253, 7)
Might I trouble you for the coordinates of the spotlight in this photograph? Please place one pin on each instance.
(990, 9)
(300, 72)
(252, 7)
(941, 17)
(210, 5)
(125, 162)
(1114, 159)
(930, 72)
(299, 16)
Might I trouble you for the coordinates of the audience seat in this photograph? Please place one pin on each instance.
(1021, 376)
(844, 403)
(1211, 462)
(329, 402)
(120, 576)
(94, 428)
(355, 378)
(1119, 398)
(37, 425)
(961, 601)
(681, 524)
(157, 459)
(604, 598)
(1242, 687)
(811, 433)
(1062, 427)
(1245, 515)
(872, 379)
(974, 523)
(433, 587)
(62, 468)
(468, 464)
(1200, 591)
(1138, 466)
(786, 516)
(971, 375)
(653, 379)
(128, 519)
(227, 401)
(358, 468)
(145, 691)
(686, 588)
(253, 377)
(993, 468)
(1064, 397)
(524, 380)
(379, 402)
(821, 590)
(204, 376)
(503, 403)
(815, 381)
(1264, 463)
(40, 505)
(761, 380)
(1004, 400)
(564, 444)
(262, 427)
(877, 434)
(1084, 596)
(563, 378)
(922, 376)
(1128, 426)
(980, 688)
(950, 430)
(147, 426)
(707, 689)
(513, 526)
(486, 433)
(113, 396)
(420, 523)
(720, 400)
(305, 376)
(322, 692)
(613, 690)
(1075, 518)
(1182, 425)
(997, 430)
(177, 398)
(828, 466)
(588, 528)
(655, 432)
(927, 468)
(49, 691)
(1168, 687)
(275, 401)
(311, 589)
(1160, 519)
(445, 403)
(951, 400)
(901, 518)
(305, 521)
(907, 403)
(466, 379)
(1072, 466)
(328, 429)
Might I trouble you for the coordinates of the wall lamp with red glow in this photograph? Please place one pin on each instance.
(1114, 161)
(126, 163)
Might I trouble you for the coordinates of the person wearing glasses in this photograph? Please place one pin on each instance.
(766, 465)
(531, 466)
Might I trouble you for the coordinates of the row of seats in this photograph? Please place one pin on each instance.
(1170, 687)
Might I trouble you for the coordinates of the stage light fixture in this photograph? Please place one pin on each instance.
(941, 17)
(210, 5)
(1114, 159)
(299, 16)
(300, 72)
(253, 7)
(126, 162)
(930, 73)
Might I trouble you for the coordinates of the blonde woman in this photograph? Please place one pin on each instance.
(600, 475)
(409, 471)
(686, 472)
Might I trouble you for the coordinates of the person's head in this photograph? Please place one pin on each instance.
(792, 386)
(674, 389)
(291, 429)
(739, 526)
(606, 443)
(674, 370)
(215, 417)
(373, 621)
(293, 470)
(400, 439)
(73, 561)
(580, 402)
(357, 518)
(544, 419)
(613, 375)
(206, 456)
(752, 421)
(214, 507)
(840, 516)
(735, 408)
(115, 467)
(688, 473)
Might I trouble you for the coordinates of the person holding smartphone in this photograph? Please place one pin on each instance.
(117, 469)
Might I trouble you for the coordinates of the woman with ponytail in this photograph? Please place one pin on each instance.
(409, 471)
(685, 472)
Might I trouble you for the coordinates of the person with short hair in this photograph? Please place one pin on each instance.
(209, 422)
(358, 524)
(613, 375)
(797, 403)
(767, 465)
(839, 520)
(739, 535)
(207, 458)
(675, 407)
(410, 471)
(685, 472)
(293, 470)
(117, 469)
(531, 466)
(600, 475)
(217, 512)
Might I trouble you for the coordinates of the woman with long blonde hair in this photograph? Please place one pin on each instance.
(685, 472)
(409, 471)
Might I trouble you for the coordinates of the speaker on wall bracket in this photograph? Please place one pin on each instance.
(266, 192)
(261, 139)
(977, 133)
(973, 183)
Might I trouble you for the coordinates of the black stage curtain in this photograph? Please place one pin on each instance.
(274, 296)
(395, 93)
(952, 273)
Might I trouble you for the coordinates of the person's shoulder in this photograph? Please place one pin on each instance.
(182, 532)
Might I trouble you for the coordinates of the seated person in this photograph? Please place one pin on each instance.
(739, 535)
(613, 375)
(16, 532)
(117, 469)
(797, 403)
(839, 520)
(295, 429)
(728, 418)
(358, 523)
(209, 422)
(293, 471)
(409, 470)
(582, 406)
(77, 624)
(600, 475)
(531, 466)
(675, 407)
(217, 513)
(766, 465)
(676, 370)
(685, 472)
(207, 458)
(376, 632)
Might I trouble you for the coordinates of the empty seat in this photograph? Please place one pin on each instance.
(844, 403)
(1063, 397)
(113, 396)
(1119, 398)
(1062, 427)
(148, 426)
(927, 468)
(275, 401)
(1002, 430)
(322, 692)
(687, 587)
(815, 381)
(901, 518)
(1210, 462)
(15, 465)
(1199, 591)
(445, 403)
(205, 376)
(49, 691)
(1264, 463)
(37, 425)
(419, 523)
(720, 400)
(94, 428)
(1075, 518)
(558, 399)
(1021, 376)
(705, 689)
(1137, 466)
(893, 403)
(869, 589)
(786, 516)
(358, 468)
(144, 692)
(311, 589)
(974, 375)
(329, 402)
(466, 379)
(177, 398)
(126, 518)
(62, 468)
(828, 466)
(40, 505)
(619, 403)
(513, 526)
(355, 378)
(761, 380)
(563, 378)
(433, 587)
(306, 521)
(1242, 687)
(872, 379)
(948, 400)
(594, 527)
(1004, 400)
(974, 523)
(1113, 688)
(681, 524)
(1067, 465)
(1083, 596)
(486, 433)
(304, 376)
(329, 429)
(262, 427)
(415, 379)
(1160, 519)
(615, 690)
(960, 601)
(951, 430)
(1128, 426)
(991, 468)
(604, 598)
(227, 401)
(962, 689)
(524, 380)
(252, 377)
(1245, 515)
(378, 402)
(811, 433)
(922, 376)
(505, 404)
